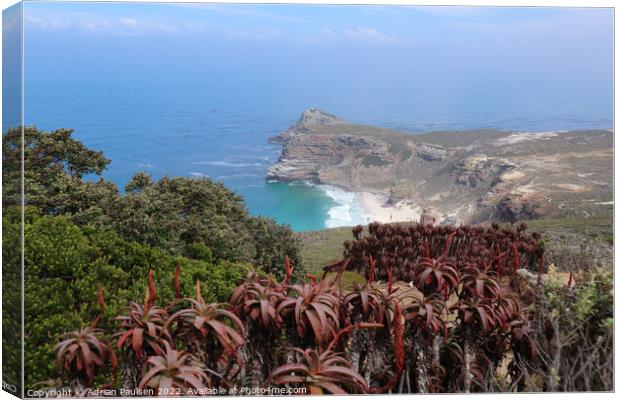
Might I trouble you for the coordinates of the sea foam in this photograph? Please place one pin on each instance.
(346, 212)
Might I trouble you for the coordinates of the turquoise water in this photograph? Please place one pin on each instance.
(187, 105)
(305, 206)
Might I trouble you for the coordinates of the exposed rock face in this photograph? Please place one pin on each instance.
(464, 176)
(313, 116)
(431, 152)
(480, 168)
(310, 156)
(519, 206)
(308, 119)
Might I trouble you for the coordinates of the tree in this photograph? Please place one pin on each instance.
(47, 156)
(273, 243)
(174, 213)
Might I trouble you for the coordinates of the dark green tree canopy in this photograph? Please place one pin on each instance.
(54, 163)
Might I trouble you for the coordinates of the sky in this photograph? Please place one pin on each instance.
(521, 56)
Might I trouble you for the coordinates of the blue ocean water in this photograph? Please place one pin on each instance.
(189, 130)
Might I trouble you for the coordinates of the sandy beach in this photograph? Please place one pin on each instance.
(375, 209)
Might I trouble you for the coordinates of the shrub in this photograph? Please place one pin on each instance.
(65, 265)
(574, 334)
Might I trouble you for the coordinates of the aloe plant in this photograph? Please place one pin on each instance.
(255, 301)
(313, 309)
(81, 354)
(425, 320)
(363, 301)
(209, 329)
(436, 276)
(479, 283)
(320, 373)
(172, 373)
(142, 332)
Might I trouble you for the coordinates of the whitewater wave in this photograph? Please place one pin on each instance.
(228, 164)
(237, 176)
(347, 211)
(302, 183)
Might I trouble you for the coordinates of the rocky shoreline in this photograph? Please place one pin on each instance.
(460, 176)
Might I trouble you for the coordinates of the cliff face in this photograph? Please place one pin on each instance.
(464, 176)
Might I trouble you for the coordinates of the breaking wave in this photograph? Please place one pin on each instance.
(347, 211)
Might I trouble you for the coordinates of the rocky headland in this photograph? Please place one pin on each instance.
(457, 176)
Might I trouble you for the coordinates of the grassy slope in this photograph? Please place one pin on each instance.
(324, 246)
(570, 242)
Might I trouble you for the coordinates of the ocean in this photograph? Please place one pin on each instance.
(194, 131)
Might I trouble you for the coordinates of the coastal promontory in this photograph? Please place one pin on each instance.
(459, 176)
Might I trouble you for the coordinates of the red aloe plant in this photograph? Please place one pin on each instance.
(204, 325)
(426, 315)
(315, 310)
(80, 354)
(365, 301)
(172, 374)
(257, 299)
(477, 315)
(435, 275)
(477, 283)
(143, 330)
(142, 333)
(320, 373)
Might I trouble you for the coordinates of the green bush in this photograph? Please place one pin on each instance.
(65, 265)
(579, 321)
(11, 299)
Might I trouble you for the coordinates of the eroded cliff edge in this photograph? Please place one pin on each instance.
(460, 176)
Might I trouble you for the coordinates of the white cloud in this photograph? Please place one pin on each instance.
(130, 25)
(366, 34)
(129, 22)
(93, 23)
(51, 24)
(360, 34)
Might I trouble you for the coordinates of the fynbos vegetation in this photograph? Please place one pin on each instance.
(443, 309)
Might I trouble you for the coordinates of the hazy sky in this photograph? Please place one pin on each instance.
(522, 56)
